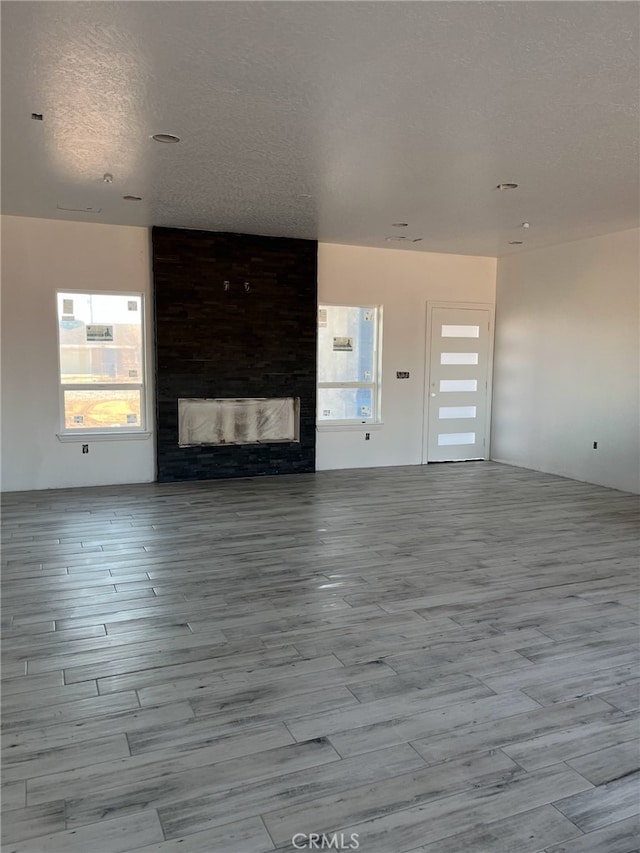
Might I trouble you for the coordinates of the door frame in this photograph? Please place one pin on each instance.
(426, 402)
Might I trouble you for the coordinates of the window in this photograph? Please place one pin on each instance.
(101, 358)
(348, 363)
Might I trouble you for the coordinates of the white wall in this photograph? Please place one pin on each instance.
(402, 282)
(40, 256)
(566, 361)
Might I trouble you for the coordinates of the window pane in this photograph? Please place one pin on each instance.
(336, 404)
(461, 331)
(458, 384)
(445, 438)
(100, 338)
(458, 358)
(346, 344)
(448, 412)
(106, 409)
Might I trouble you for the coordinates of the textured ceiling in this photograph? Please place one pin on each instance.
(328, 120)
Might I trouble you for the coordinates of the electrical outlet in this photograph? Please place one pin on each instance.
(85, 448)
(367, 436)
(595, 445)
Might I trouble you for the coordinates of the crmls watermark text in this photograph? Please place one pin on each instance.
(335, 841)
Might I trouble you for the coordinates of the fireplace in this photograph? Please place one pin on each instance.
(247, 420)
(235, 336)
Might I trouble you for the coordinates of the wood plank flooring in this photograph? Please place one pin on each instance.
(438, 659)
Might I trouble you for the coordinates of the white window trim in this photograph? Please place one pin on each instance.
(338, 426)
(88, 437)
(331, 424)
(128, 433)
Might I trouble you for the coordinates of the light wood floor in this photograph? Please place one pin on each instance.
(442, 659)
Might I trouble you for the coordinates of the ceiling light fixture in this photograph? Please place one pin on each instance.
(168, 138)
(507, 187)
(132, 197)
(525, 225)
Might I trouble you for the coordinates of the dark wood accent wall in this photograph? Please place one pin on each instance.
(226, 340)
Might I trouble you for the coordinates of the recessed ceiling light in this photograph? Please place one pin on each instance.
(132, 197)
(515, 242)
(525, 225)
(399, 224)
(396, 237)
(165, 137)
(507, 187)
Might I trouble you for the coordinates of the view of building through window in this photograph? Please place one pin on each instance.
(348, 363)
(101, 361)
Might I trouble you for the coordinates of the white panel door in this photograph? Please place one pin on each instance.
(458, 384)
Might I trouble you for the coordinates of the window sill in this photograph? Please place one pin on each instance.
(339, 427)
(88, 437)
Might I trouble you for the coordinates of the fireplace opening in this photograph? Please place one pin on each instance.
(247, 420)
